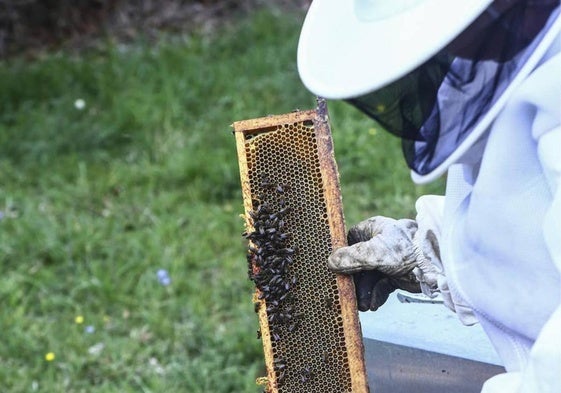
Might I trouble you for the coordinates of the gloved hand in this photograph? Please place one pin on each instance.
(385, 254)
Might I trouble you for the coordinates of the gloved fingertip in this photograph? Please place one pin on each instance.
(342, 261)
(375, 305)
(376, 302)
(363, 303)
(363, 299)
(364, 283)
(380, 294)
(362, 307)
(334, 260)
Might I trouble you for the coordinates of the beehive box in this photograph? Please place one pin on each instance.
(293, 214)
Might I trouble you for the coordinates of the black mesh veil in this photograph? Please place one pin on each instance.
(436, 106)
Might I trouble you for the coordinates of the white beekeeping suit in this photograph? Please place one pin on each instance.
(501, 239)
(492, 121)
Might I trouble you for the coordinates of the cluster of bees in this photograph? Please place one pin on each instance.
(269, 258)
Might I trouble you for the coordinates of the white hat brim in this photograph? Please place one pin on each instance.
(343, 55)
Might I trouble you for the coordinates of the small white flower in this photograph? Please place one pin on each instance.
(96, 349)
(79, 104)
(156, 366)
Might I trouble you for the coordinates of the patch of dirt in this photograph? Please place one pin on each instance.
(30, 27)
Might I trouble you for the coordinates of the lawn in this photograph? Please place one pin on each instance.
(118, 163)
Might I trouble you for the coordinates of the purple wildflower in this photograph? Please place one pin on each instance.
(89, 329)
(163, 277)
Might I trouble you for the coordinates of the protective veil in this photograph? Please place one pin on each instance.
(443, 106)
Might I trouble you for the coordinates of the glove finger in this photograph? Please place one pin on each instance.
(408, 283)
(390, 252)
(364, 284)
(367, 255)
(380, 293)
(344, 260)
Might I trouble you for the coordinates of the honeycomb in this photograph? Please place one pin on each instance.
(312, 342)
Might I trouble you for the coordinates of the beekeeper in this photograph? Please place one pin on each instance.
(473, 88)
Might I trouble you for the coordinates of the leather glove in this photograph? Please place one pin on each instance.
(385, 254)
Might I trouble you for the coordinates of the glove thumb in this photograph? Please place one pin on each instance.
(349, 259)
(391, 252)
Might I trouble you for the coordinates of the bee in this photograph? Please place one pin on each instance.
(279, 365)
(305, 374)
(293, 326)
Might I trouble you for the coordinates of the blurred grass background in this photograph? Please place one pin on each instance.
(96, 198)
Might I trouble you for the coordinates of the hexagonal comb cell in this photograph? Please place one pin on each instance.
(307, 315)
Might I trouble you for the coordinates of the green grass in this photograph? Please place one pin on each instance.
(145, 177)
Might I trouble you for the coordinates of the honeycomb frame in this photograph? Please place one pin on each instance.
(325, 353)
